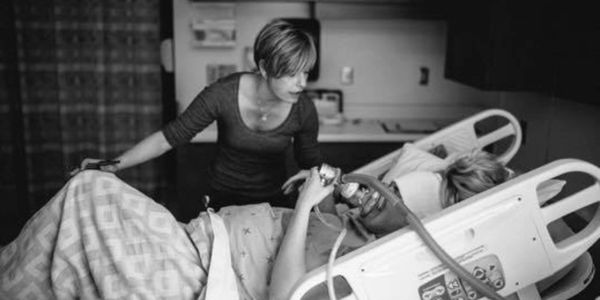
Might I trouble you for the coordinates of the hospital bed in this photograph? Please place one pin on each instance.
(501, 236)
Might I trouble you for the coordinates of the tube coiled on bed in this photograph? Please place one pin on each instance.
(416, 224)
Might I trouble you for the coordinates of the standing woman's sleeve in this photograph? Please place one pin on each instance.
(306, 147)
(197, 116)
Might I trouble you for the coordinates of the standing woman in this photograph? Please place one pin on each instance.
(259, 116)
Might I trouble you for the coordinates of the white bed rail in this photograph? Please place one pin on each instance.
(458, 137)
(504, 228)
(569, 249)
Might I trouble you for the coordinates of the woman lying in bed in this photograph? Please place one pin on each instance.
(99, 238)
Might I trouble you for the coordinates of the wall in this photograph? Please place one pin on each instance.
(386, 55)
(190, 62)
(556, 128)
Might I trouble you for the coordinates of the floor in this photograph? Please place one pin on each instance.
(593, 289)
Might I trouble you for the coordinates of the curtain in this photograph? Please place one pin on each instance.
(77, 79)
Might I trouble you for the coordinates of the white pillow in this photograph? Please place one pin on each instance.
(413, 159)
(420, 191)
(548, 189)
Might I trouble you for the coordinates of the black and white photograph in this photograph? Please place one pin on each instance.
(299, 149)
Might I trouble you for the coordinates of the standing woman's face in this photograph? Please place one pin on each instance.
(288, 88)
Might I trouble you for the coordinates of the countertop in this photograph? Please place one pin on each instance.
(359, 130)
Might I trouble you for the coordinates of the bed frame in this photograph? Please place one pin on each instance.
(482, 233)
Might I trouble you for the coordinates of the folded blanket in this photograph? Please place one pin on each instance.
(99, 238)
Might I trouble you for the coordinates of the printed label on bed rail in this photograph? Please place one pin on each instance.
(441, 268)
(448, 286)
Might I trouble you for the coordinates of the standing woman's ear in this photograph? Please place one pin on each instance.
(261, 69)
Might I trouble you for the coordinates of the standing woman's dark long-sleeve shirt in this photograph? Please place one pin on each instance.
(248, 162)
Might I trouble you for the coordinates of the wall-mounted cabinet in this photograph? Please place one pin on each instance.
(541, 46)
(368, 9)
(361, 9)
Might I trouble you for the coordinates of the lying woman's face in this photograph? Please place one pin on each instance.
(381, 216)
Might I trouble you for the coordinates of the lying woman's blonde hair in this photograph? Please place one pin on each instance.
(471, 173)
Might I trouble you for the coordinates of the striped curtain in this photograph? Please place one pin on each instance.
(78, 78)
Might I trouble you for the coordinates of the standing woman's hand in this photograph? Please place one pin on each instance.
(313, 191)
(295, 181)
(97, 164)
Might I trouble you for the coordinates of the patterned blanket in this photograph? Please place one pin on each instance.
(99, 238)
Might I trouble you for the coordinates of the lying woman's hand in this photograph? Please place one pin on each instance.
(313, 192)
(97, 164)
(295, 181)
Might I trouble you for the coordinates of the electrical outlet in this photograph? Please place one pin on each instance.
(424, 80)
(347, 75)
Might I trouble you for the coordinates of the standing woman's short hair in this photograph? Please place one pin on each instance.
(284, 49)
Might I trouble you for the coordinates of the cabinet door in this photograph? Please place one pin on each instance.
(576, 52)
(351, 156)
(193, 161)
(537, 46)
(348, 156)
(498, 45)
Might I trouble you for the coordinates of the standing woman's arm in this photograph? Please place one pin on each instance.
(306, 146)
(149, 148)
(198, 115)
(307, 152)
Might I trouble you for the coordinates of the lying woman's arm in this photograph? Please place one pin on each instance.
(290, 264)
(326, 206)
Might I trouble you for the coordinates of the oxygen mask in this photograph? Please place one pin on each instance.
(353, 194)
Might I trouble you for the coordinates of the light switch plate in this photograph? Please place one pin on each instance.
(347, 75)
